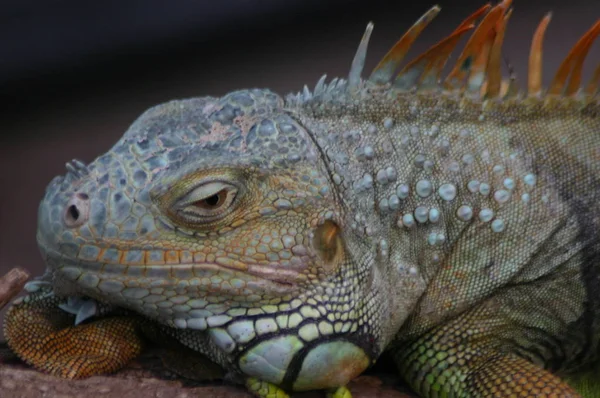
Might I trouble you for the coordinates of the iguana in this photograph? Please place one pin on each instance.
(453, 223)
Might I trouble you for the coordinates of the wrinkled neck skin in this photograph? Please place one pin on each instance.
(364, 141)
(437, 188)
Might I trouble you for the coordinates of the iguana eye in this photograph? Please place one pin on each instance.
(212, 202)
(208, 201)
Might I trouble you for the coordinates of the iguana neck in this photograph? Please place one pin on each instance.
(414, 172)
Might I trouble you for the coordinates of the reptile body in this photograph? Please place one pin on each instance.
(453, 223)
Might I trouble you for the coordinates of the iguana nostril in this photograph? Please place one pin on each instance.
(77, 210)
(73, 212)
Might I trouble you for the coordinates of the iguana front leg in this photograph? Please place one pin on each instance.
(494, 375)
(43, 335)
(468, 358)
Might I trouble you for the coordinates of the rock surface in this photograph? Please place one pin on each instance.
(146, 378)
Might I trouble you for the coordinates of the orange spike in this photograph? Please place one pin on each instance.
(384, 71)
(534, 79)
(428, 63)
(477, 74)
(439, 56)
(494, 73)
(592, 87)
(470, 20)
(580, 49)
(458, 74)
(504, 87)
(575, 81)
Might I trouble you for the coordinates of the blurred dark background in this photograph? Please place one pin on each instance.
(74, 74)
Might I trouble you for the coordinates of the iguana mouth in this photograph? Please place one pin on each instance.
(254, 276)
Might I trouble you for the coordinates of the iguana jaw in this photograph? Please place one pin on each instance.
(210, 275)
(176, 290)
(259, 278)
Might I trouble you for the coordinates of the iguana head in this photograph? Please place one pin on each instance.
(223, 215)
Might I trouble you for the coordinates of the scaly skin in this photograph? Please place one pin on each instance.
(293, 241)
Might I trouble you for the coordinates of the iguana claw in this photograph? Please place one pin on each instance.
(264, 389)
(340, 392)
(83, 309)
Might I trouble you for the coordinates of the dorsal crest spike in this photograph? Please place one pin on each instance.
(494, 85)
(534, 79)
(358, 63)
(573, 63)
(384, 71)
(477, 72)
(479, 67)
(474, 46)
(471, 19)
(428, 65)
(594, 84)
(575, 81)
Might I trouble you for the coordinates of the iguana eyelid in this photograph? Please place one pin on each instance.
(191, 213)
(206, 190)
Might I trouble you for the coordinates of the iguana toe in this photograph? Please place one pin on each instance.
(340, 392)
(263, 389)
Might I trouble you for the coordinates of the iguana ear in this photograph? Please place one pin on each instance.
(328, 244)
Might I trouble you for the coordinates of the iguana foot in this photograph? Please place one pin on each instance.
(43, 335)
(340, 392)
(263, 389)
